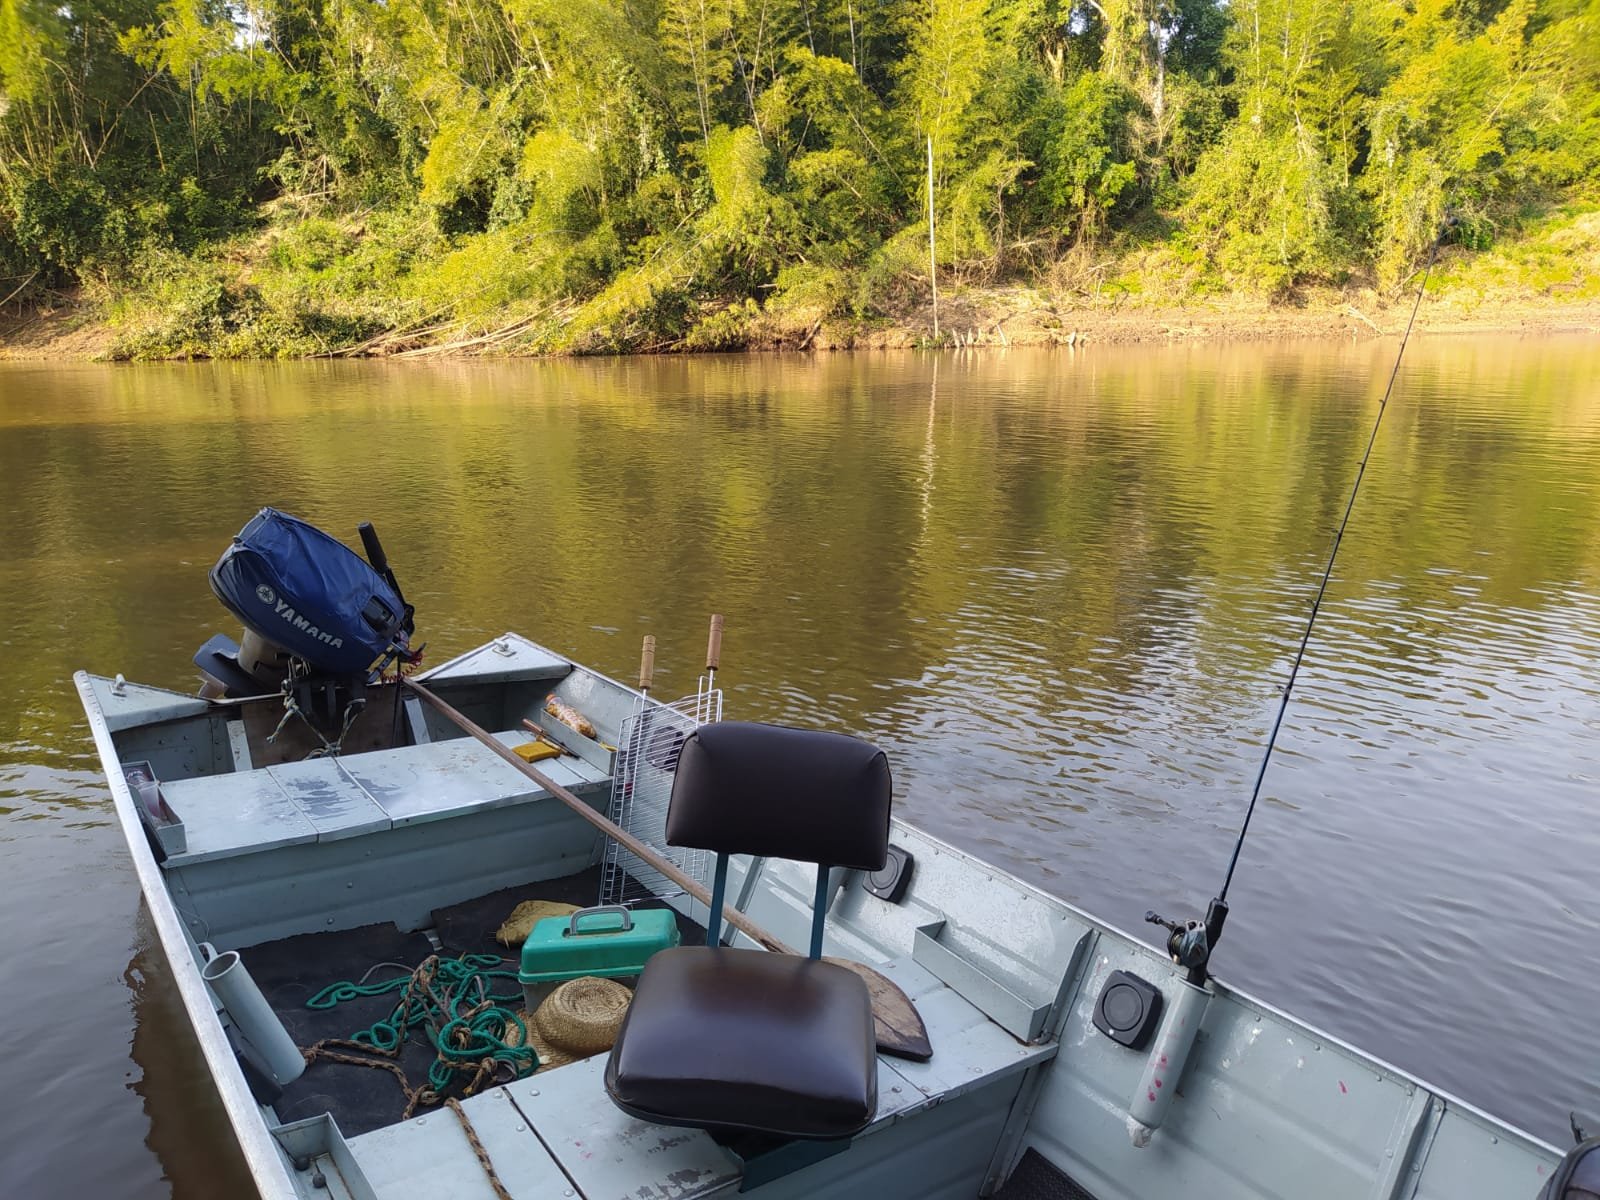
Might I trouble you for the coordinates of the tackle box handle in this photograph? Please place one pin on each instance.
(620, 910)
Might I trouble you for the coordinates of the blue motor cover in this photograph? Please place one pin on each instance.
(309, 593)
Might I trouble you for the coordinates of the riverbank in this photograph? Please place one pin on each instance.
(244, 305)
(559, 182)
(75, 330)
(989, 320)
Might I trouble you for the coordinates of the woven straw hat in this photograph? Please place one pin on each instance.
(516, 928)
(582, 1016)
(549, 1056)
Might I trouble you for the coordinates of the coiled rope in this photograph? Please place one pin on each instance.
(453, 1001)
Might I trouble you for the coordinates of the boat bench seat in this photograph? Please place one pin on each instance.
(445, 779)
(329, 799)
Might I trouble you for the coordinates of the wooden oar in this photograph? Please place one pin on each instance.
(900, 1030)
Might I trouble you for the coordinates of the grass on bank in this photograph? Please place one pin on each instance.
(391, 282)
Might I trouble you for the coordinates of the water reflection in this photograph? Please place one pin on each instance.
(1061, 589)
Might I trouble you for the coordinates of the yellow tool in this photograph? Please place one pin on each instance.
(535, 751)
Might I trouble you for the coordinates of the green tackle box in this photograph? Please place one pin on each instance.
(609, 941)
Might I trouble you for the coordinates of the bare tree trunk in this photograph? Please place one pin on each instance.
(1158, 98)
(850, 13)
(933, 258)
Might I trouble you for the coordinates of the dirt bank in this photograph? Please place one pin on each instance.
(1002, 318)
(68, 329)
(74, 329)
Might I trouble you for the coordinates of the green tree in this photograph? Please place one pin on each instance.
(1269, 198)
(1479, 118)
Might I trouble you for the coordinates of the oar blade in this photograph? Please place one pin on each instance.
(895, 1020)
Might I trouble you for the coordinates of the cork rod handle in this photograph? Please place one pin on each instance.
(714, 647)
(647, 663)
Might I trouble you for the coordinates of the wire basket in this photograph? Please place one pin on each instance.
(651, 740)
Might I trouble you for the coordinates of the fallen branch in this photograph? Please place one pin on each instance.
(20, 288)
(1356, 312)
(492, 338)
(388, 337)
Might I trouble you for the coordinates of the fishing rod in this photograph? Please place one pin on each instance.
(1190, 942)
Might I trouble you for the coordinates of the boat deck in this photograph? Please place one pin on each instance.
(557, 1132)
(440, 836)
(291, 970)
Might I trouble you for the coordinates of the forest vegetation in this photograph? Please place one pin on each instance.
(284, 177)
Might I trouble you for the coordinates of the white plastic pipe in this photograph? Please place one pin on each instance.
(250, 1013)
(1163, 1069)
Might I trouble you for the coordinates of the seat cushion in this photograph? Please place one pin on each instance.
(744, 1039)
(776, 792)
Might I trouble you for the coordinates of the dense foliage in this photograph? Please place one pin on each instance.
(289, 175)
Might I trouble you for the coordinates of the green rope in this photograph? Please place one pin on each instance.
(453, 1000)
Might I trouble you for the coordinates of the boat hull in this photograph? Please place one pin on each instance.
(1006, 976)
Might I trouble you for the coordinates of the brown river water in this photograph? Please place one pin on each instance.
(1060, 588)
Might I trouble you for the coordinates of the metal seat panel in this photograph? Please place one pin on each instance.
(569, 770)
(238, 814)
(443, 779)
(509, 658)
(331, 800)
(430, 1155)
(969, 1049)
(609, 1155)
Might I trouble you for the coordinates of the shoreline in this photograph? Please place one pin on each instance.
(990, 319)
(991, 325)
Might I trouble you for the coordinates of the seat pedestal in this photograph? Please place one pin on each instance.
(763, 1157)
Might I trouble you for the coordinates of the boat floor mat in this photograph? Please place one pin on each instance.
(291, 970)
(1036, 1179)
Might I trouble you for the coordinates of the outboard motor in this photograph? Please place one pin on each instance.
(1577, 1177)
(320, 623)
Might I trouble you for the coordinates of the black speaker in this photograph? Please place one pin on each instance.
(1128, 1010)
(891, 880)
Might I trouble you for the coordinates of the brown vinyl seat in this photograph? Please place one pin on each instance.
(729, 1039)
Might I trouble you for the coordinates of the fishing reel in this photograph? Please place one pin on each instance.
(1189, 943)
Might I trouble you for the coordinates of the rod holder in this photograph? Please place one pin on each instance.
(253, 1017)
(1158, 1082)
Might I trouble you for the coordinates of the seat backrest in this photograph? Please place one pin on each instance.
(768, 790)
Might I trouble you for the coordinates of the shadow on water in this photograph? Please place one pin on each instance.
(189, 1130)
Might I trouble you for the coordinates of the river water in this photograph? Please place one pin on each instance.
(1060, 588)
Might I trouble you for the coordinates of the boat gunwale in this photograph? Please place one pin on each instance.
(261, 1152)
(1449, 1101)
